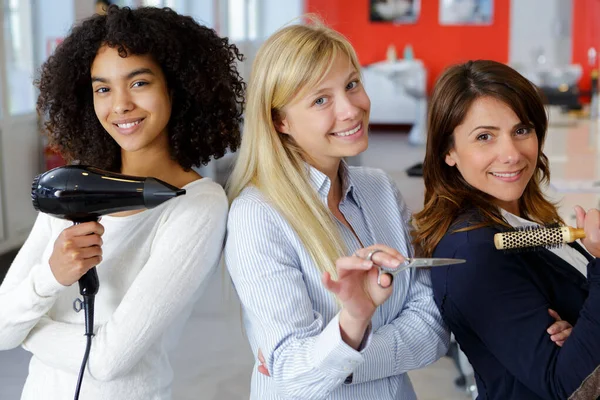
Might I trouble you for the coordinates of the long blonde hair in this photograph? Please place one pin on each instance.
(292, 61)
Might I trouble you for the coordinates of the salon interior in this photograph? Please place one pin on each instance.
(403, 46)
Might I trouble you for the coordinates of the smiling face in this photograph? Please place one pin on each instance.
(331, 121)
(131, 100)
(495, 152)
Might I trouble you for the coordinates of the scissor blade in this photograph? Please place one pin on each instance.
(435, 262)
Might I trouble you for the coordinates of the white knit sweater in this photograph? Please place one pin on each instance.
(155, 264)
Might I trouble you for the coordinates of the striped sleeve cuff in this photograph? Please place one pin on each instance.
(333, 356)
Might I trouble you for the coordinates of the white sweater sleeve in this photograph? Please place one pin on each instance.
(184, 252)
(29, 289)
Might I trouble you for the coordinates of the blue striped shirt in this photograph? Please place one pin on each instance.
(293, 319)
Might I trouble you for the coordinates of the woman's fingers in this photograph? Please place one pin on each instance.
(560, 330)
(331, 285)
(554, 314)
(385, 280)
(86, 228)
(562, 336)
(352, 263)
(262, 368)
(381, 255)
(363, 253)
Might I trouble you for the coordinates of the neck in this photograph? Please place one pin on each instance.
(156, 163)
(512, 208)
(332, 170)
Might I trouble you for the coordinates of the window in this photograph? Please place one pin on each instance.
(19, 64)
(242, 20)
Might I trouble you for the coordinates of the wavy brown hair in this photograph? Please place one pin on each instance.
(201, 73)
(447, 194)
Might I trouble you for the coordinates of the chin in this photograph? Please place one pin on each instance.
(508, 198)
(356, 152)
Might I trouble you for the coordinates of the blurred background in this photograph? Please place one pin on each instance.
(403, 45)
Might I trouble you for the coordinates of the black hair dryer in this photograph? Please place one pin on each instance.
(81, 194)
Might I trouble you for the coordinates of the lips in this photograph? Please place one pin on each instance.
(508, 176)
(128, 126)
(127, 123)
(348, 132)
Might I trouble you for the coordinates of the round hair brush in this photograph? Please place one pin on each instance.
(533, 236)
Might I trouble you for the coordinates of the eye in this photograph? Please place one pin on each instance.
(139, 84)
(101, 90)
(351, 85)
(484, 137)
(523, 131)
(320, 101)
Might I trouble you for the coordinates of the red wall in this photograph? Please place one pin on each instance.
(436, 45)
(586, 34)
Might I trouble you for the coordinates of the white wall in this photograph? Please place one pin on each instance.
(276, 13)
(540, 25)
(202, 11)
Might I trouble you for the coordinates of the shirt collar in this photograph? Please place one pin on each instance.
(322, 183)
(515, 220)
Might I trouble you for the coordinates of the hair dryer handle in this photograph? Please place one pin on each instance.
(89, 283)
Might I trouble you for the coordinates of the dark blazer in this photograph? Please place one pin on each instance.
(496, 304)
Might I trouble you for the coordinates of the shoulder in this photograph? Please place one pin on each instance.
(252, 207)
(366, 176)
(484, 263)
(256, 227)
(458, 239)
(203, 197)
(375, 185)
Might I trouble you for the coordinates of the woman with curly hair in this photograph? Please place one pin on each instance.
(144, 92)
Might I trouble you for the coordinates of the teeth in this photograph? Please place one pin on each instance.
(350, 132)
(128, 125)
(506, 175)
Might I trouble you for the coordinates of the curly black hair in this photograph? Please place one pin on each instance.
(200, 71)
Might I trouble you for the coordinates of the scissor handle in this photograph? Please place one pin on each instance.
(408, 262)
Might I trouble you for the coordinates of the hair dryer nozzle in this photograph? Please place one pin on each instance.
(157, 192)
(80, 193)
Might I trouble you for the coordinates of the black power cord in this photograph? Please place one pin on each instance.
(88, 308)
(88, 287)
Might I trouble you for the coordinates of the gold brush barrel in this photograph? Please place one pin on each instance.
(537, 237)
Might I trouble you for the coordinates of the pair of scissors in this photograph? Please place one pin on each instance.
(417, 263)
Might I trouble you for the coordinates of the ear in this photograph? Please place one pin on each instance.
(282, 124)
(451, 158)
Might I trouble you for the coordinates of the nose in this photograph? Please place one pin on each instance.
(346, 109)
(509, 151)
(122, 102)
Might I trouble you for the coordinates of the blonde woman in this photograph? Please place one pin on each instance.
(306, 232)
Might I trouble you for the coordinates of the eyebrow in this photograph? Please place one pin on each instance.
(321, 90)
(495, 128)
(130, 75)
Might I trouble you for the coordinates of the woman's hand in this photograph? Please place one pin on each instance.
(76, 250)
(590, 222)
(357, 288)
(560, 330)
